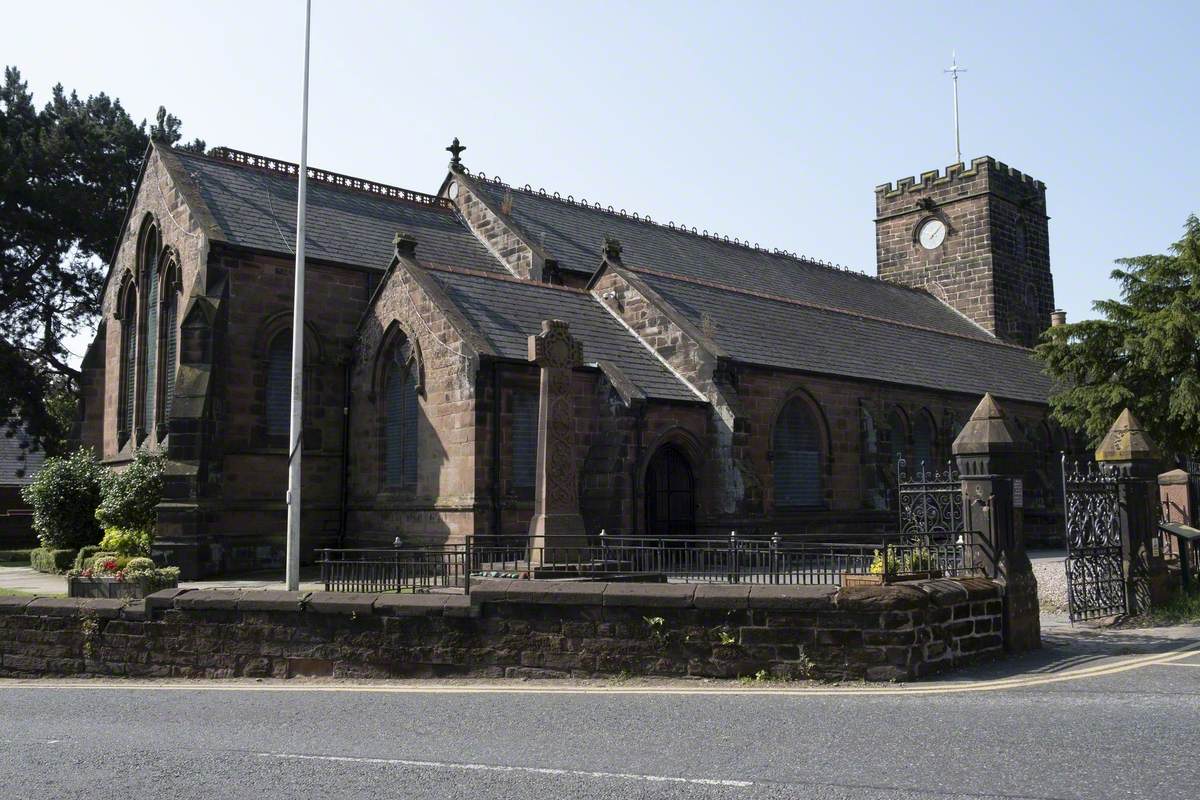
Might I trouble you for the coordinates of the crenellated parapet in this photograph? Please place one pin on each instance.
(983, 174)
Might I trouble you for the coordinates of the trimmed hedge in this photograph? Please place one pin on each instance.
(15, 556)
(54, 562)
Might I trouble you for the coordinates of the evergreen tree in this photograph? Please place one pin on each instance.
(1144, 352)
(67, 173)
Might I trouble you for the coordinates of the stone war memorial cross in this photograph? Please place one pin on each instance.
(556, 521)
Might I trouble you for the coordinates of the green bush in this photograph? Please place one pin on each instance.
(15, 556)
(918, 559)
(129, 498)
(157, 579)
(64, 495)
(84, 556)
(137, 565)
(54, 562)
(127, 542)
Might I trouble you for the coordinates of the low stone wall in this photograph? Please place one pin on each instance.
(513, 629)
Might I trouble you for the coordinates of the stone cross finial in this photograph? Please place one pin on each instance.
(555, 347)
(612, 248)
(405, 244)
(455, 150)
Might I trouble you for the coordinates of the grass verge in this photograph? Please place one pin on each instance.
(22, 593)
(1183, 609)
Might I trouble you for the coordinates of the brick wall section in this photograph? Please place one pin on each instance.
(994, 266)
(249, 467)
(697, 363)
(513, 629)
(179, 230)
(613, 443)
(497, 234)
(443, 506)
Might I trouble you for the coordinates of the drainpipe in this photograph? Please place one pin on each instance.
(496, 517)
(639, 428)
(343, 511)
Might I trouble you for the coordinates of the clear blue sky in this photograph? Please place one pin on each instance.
(767, 121)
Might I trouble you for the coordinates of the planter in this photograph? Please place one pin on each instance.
(922, 575)
(131, 589)
(858, 579)
(850, 579)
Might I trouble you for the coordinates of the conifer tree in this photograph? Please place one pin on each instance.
(1143, 353)
(67, 173)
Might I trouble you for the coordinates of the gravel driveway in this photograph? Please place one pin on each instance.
(1051, 578)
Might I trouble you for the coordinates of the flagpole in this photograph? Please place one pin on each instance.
(297, 427)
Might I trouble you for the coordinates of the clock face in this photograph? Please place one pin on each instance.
(932, 234)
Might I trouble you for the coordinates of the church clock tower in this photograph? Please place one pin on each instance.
(977, 239)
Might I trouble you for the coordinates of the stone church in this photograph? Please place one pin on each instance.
(699, 384)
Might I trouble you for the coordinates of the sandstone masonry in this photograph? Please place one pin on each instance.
(513, 629)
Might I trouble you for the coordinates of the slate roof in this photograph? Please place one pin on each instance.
(507, 312)
(17, 464)
(256, 208)
(765, 308)
(777, 333)
(574, 234)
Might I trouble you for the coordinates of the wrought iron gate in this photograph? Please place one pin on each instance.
(930, 501)
(1095, 579)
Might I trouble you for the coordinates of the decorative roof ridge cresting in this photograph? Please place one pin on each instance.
(335, 179)
(647, 220)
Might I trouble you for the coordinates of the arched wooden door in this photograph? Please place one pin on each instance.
(670, 494)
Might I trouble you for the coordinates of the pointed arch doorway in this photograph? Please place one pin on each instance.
(670, 494)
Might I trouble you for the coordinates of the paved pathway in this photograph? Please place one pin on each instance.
(26, 579)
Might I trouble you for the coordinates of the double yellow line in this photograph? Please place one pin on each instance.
(916, 690)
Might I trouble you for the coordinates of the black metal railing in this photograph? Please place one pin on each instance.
(682, 560)
(395, 569)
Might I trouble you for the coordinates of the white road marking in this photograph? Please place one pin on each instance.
(450, 765)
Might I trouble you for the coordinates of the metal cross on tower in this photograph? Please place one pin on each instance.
(953, 72)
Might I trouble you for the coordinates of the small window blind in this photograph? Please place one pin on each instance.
(150, 334)
(279, 385)
(170, 352)
(128, 369)
(797, 461)
(400, 428)
(922, 443)
(524, 439)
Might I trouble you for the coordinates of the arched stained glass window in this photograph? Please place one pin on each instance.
(797, 457)
(400, 418)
